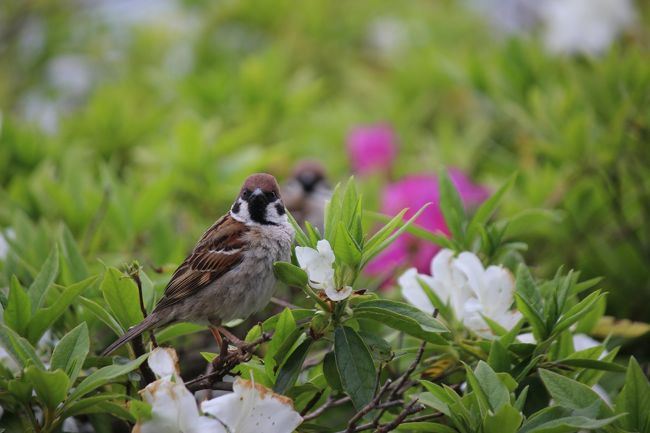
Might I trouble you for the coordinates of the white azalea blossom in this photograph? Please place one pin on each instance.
(250, 408)
(319, 265)
(584, 26)
(471, 290)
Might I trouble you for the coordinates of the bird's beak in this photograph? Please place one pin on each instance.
(257, 192)
(258, 196)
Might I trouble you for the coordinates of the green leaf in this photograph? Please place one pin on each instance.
(100, 312)
(50, 386)
(18, 311)
(634, 399)
(121, 295)
(532, 316)
(285, 346)
(526, 287)
(46, 317)
(594, 364)
(45, 278)
(429, 427)
(370, 252)
(289, 371)
(284, 327)
(73, 267)
(570, 393)
(499, 358)
(355, 366)
(345, 248)
(489, 206)
(70, 353)
(301, 238)
(333, 211)
(403, 317)
(437, 398)
(105, 375)
(18, 347)
(576, 312)
(331, 372)
(452, 207)
(506, 420)
(88, 405)
(379, 348)
(383, 233)
(290, 274)
(299, 314)
(560, 420)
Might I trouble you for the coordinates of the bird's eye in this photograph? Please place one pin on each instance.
(271, 195)
(246, 193)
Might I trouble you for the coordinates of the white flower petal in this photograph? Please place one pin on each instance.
(470, 265)
(305, 256)
(173, 408)
(441, 265)
(499, 290)
(325, 249)
(583, 342)
(318, 263)
(252, 408)
(412, 290)
(164, 362)
(338, 295)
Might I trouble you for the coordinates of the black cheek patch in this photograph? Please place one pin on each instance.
(235, 207)
(280, 209)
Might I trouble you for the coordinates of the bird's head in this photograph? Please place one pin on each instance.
(259, 201)
(310, 175)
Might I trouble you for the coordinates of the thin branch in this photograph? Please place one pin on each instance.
(331, 402)
(368, 408)
(133, 270)
(408, 410)
(223, 366)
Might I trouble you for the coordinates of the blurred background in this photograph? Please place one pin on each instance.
(132, 123)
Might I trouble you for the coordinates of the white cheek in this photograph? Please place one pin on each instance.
(272, 214)
(243, 215)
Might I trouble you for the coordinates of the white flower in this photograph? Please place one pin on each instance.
(584, 26)
(470, 290)
(173, 407)
(318, 263)
(252, 408)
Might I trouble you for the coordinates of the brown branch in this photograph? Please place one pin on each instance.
(331, 402)
(368, 408)
(408, 410)
(133, 270)
(223, 366)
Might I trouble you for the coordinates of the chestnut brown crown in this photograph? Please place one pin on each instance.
(263, 181)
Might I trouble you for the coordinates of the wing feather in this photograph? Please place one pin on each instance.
(219, 250)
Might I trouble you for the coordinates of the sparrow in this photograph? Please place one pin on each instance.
(306, 193)
(229, 273)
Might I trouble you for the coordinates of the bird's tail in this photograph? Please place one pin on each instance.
(134, 331)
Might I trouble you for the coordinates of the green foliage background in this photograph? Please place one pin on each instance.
(180, 110)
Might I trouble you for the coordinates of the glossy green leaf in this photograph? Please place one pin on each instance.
(355, 366)
(73, 268)
(121, 295)
(289, 371)
(403, 317)
(290, 274)
(505, 420)
(331, 372)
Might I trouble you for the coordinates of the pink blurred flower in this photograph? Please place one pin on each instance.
(413, 192)
(372, 148)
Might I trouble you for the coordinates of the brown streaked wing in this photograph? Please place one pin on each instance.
(219, 250)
